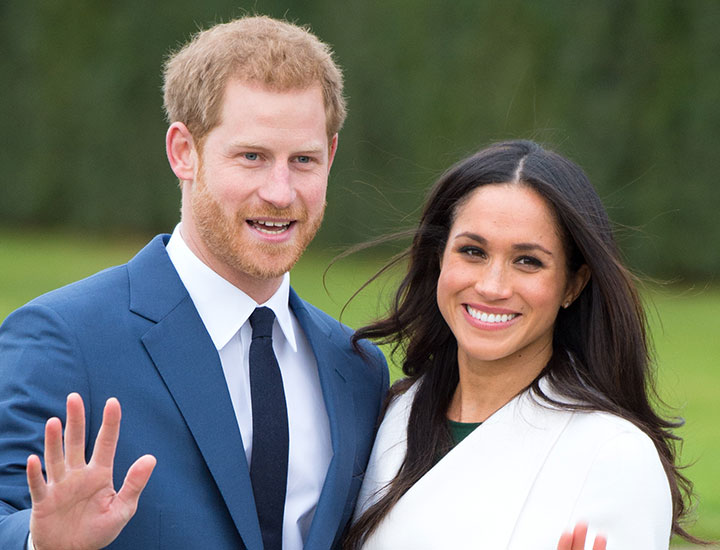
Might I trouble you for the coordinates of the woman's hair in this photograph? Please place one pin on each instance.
(601, 355)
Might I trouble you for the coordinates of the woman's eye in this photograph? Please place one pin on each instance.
(251, 156)
(529, 261)
(472, 251)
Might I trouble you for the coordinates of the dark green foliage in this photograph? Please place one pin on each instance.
(629, 90)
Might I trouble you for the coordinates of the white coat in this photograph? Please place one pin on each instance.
(520, 479)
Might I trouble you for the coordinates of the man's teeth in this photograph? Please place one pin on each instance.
(270, 228)
(490, 317)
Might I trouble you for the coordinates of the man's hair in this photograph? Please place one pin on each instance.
(276, 54)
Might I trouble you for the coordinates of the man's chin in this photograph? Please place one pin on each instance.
(266, 267)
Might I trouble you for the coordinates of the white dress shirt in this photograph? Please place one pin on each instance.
(225, 311)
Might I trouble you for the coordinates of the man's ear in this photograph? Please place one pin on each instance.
(332, 151)
(181, 151)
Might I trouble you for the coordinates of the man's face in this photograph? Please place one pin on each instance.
(258, 196)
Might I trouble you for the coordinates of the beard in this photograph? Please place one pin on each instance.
(229, 240)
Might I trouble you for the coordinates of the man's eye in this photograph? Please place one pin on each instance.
(303, 159)
(251, 156)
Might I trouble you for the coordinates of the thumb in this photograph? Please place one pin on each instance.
(135, 481)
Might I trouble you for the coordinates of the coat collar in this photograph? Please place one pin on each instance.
(155, 288)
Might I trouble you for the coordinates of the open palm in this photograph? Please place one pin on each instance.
(77, 508)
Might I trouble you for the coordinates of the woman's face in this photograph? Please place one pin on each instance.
(503, 278)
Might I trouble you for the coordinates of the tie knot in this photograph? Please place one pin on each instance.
(261, 322)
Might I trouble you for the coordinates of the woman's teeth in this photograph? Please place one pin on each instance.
(490, 317)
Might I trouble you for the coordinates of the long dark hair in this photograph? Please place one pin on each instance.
(601, 352)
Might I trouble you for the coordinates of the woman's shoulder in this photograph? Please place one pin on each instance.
(610, 431)
(595, 429)
(605, 423)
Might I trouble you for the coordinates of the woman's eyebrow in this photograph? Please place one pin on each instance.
(473, 236)
(522, 247)
(528, 247)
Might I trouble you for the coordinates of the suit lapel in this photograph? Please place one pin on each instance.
(189, 364)
(331, 362)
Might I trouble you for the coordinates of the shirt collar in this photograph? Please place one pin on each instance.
(222, 306)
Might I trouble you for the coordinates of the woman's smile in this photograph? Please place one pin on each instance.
(495, 318)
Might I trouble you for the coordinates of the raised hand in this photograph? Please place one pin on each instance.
(77, 507)
(576, 539)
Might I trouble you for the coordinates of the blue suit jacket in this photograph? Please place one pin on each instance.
(133, 332)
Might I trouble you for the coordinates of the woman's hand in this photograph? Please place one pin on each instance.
(576, 539)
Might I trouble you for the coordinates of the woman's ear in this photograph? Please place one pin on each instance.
(576, 284)
(181, 151)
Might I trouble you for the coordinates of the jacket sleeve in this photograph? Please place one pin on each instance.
(40, 363)
(626, 495)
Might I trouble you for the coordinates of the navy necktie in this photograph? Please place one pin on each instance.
(269, 460)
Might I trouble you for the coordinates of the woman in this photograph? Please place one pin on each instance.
(523, 334)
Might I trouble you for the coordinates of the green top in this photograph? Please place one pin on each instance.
(460, 430)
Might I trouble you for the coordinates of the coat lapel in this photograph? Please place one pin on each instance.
(478, 490)
(499, 463)
(188, 362)
(331, 362)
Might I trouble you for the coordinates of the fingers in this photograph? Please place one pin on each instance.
(75, 432)
(574, 540)
(135, 481)
(73, 456)
(579, 535)
(54, 457)
(565, 542)
(106, 442)
(35, 479)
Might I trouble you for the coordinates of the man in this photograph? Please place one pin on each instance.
(254, 107)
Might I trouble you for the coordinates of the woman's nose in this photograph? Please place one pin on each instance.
(494, 282)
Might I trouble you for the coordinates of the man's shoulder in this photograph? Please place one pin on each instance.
(97, 290)
(336, 331)
(326, 321)
(102, 284)
(333, 329)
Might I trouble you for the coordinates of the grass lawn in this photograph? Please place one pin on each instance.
(686, 328)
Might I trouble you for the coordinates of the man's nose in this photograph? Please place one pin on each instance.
(278, 189)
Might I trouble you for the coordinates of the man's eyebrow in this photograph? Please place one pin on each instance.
(522, 247)
(311, 148)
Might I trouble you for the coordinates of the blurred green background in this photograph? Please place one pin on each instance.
(628, 89)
